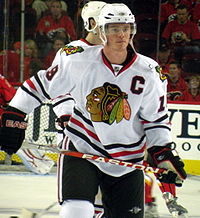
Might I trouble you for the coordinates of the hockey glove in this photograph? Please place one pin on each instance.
(165, 157)
(63, 120)
(12, 130)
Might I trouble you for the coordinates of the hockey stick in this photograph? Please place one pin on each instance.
(96, 158)
(26, 213)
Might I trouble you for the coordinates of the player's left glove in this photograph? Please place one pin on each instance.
(12, 130)
(63, 120)
(165, 157)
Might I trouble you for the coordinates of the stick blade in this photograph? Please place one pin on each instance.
(25, 213)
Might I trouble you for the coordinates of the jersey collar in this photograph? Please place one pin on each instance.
(131, 57)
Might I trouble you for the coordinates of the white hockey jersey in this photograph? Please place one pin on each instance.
(117, 113)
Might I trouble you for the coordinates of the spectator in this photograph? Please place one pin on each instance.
(42, 6)
(56, 24)
(30, 54)
(196, 13)
(168, 10)
(181, 30)
(182, 34)
(193, 91)
(58, 43)
(164, 57)
(176, 84)
(17, 47)
(10, 64)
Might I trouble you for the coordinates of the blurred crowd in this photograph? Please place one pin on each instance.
(168, 32)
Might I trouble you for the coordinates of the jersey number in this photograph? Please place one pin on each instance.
(161, 108)
(50, 73)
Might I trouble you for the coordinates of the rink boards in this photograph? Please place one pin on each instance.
(185, 119)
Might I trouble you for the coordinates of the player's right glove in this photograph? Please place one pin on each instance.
(165, 157)
(63, 120)
(12, 130)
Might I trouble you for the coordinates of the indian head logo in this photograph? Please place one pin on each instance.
(108, 104)
(69, 49)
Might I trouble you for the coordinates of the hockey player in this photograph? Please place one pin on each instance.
(34, 160)
(119, 110)
(63, 108)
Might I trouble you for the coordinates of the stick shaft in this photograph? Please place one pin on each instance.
(92, 157)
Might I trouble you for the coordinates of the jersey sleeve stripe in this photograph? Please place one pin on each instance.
(31, 84)
(156, 121)
(62, 101)
(30, 93)
(162, 118)
(159, 126)
(42, 87)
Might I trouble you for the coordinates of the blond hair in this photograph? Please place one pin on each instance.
(29, 43)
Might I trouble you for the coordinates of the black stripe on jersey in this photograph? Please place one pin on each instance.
(161, 118)
(125, 146)
(159, 126)
(78, 113)
(87, 140)
(156, 121)
(41, 87)
(61, 101)
(30, 93)
(136, 160)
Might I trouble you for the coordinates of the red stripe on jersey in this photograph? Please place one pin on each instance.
(125, 153)
(30, 83)
(106, 62)
(90, 133)
(144, 121)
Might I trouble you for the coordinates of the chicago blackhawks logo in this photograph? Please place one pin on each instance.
(108, 104)
(68, 49)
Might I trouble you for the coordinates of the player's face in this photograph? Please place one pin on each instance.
(118, 35)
